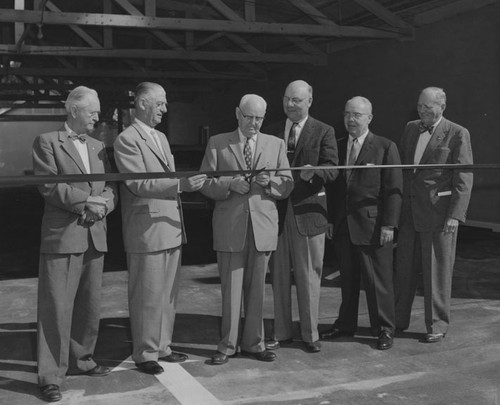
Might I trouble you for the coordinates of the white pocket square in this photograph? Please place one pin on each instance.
(443, 193)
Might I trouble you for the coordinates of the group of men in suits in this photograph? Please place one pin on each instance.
(262, 218)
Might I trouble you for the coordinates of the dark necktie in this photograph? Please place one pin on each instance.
(75, 137)
(425, 128)
(247, 151)
(291, 142)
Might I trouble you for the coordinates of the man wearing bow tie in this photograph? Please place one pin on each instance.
(435, 201)
(73, 242)
(153, 230)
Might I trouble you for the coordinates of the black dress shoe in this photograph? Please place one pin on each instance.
(276, 344)
(51, 393)
(175, 357)
(266, 355)
(219, 358)
(385, 340)
(433, 337)
(313, 347)
(98, 371)
(335, 333)
(150, 367)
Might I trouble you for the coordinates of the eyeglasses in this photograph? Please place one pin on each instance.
(355, 115)
(294, 100)
(258, 120)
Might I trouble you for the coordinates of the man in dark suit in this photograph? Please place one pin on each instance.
(245, 224)
(303, 219)
(434, 202)
(153, 230)
(364, 205)
(73, 242)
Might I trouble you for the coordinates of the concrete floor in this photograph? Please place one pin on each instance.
(464, 369)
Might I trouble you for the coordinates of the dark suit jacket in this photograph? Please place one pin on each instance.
(53, 154)
(368, 198)
(317, 147)
(432, 195)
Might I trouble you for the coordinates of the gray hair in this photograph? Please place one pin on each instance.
(144, 89)
(364, 100)
(248, 98)
(78, 96)
(438, 93)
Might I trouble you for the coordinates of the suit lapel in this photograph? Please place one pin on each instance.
(149, 142)
(235, 147)
(304, 136)
(365, 149)
(435, 140)
(70, 149)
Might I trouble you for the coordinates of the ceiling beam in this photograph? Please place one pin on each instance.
(386, 15)
(450, 10)
(183, 24)
(313, 13)
(165, 54)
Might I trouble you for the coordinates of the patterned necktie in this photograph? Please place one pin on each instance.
(75, 137)
(290, 146)
(425, 128)
(353, 154)
(247, 151)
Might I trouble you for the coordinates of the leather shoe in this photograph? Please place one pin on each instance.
(274, 344)
(385, 340)
(98, 371)
(51, 393)
(433, 337)
(313, 347)
(334, 333)
(266, 355)
(219, 358)
(175, 357)
(150, 367)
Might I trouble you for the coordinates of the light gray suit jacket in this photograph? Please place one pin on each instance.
(232, 210)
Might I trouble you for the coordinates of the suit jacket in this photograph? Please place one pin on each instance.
(367, 198)
(151, 209)
(317, 147)
(432, 195)
(232, 210)
(55, 154)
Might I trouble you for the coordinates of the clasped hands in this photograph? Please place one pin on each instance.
(240, 184)
(95, 209)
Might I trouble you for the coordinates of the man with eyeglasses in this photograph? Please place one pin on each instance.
(364, 207)
(303, 219)
(245, 224)
(435, 201)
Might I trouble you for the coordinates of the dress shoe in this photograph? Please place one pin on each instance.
(51, 393)
(175, 357)
(266, 355)
(433, 337)
(220, 358)
(150, 367)
(385, 340)
(334, 333)
(313, 347)
(98, 371)
(274, 344)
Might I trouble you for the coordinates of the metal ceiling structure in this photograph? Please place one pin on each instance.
(46, 46)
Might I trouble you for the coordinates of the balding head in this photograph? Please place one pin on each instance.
(357, 116)
(431, 105)
(297, 100)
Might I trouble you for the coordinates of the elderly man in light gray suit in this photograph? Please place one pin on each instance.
(153, 231)
(434, 202)
(245, 224)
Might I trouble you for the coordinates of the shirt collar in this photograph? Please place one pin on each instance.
(361, 139)
(144, 126)
(300, 123)
(243, 138)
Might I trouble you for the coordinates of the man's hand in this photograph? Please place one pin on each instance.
(95, 209)
(451, 225)
(329, 231)
(263, 179)
(192, 183)
(386, 234)
(239, 185)
(306, 175)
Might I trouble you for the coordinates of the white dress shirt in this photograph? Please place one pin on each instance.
(81, 148)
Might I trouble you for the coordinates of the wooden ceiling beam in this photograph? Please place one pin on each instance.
(183, 24)
(450, 10)
(386, 15)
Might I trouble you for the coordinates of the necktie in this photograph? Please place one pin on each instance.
(75, 137)
(353, 154)
(290, 146)
(425, 128)
(247, 151)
